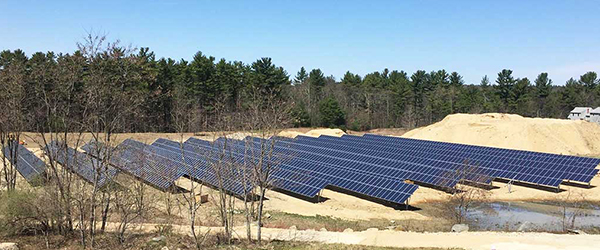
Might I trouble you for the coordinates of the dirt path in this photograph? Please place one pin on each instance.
(470, 240)
(387, 238)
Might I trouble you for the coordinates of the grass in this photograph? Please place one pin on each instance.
(286, 220)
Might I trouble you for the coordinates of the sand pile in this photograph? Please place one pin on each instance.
(290, 134)
(313, 133)
(326, 131)
(516, 132)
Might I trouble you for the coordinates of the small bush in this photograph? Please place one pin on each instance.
(18, 213)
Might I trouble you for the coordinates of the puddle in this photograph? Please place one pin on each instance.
(509, 216)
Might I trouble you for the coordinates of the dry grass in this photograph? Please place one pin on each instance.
(286, 220)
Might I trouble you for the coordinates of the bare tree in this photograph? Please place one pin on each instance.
(573, 204)
(266, 117)
(183, 118)
(222, 164)
(465, 196)
(130, 204)
(12, 118)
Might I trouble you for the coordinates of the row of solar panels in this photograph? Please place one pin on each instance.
(371, 165)
(226, 163)
(443, 164)
(28, 165)
(33, 169)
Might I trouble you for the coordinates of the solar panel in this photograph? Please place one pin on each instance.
(203, 151)
(557, 159)
(373, 162)
(136, 159)
(27, 164)
(539, 168)
(90, 169)
(423, 168)
(284, 176)
(345, 177)
(483, 168)
(328, 174)
(210, 169)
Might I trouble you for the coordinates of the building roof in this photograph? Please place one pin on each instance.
(595, 111)
(581, 109)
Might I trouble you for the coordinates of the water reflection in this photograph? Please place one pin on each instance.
(509, 216)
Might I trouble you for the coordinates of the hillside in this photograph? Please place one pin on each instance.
(516, 132)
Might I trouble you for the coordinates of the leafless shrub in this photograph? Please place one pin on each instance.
(465, 197)
(573, 204)
(130, 205)
(183, 118)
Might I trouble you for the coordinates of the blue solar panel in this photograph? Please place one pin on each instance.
(216, 170)
(296, 182)
(344, 176)
(81, 164)
(138, 160)
(452, 169)
(555, 159)
(374, 162)
(27, 164)
(504, 169)
(540, 168)
(304, 168)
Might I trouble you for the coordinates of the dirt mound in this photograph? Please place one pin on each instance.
(290, 134)
(515, 132)
(326, 131)
(313, 133)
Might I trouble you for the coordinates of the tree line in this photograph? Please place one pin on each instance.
(210, 87)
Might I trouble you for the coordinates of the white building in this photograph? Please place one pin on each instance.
(595, 115)
(580, 113)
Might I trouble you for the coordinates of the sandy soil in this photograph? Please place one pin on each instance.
(381, 131)
(338, 205)
(468, 240)
(388, 238)
(516, 132)
(313, 133)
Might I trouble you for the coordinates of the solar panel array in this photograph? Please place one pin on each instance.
(284, 178)
(526, 166)
(444, 164)
(370, 165)
(88, 168)
(209, 167)
(139, 160)
(374, 162)
(307, 174)
(27, 164)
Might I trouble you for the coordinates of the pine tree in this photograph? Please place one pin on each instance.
(301, 76)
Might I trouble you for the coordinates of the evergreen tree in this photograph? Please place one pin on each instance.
(351, 79)
(573, 96)
(506, 83)
(589, 80)
(266, 78)
(456, 80)
(543, 87)
(301, 76)
(332, 114)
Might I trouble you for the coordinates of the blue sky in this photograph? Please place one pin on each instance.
(475, 38)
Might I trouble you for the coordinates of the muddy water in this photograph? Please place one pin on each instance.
(510, 216)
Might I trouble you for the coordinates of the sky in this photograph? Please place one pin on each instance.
(474, 38)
